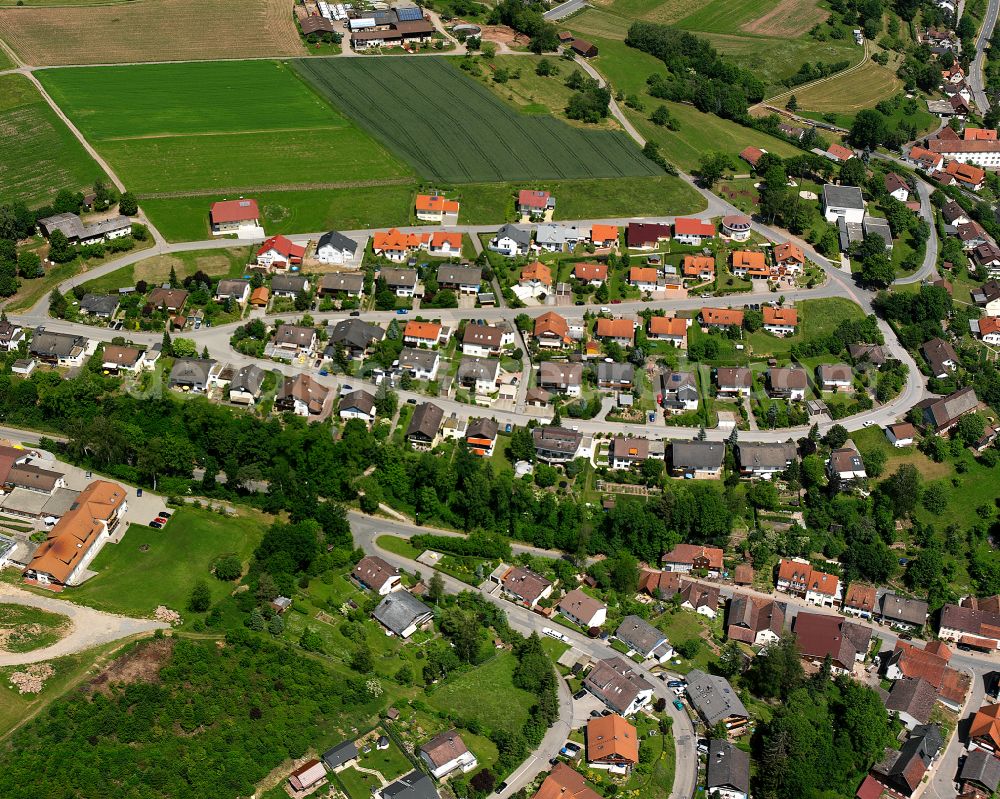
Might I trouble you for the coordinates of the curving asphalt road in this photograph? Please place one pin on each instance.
(977, 81)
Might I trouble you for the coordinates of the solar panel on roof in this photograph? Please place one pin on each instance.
(409, 14)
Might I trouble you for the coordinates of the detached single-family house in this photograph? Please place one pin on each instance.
(480, 375)
(698, 460)
(715, 700)
(462, 279)
(376, 575)
(228, 216)
(628, 452)
(672, 329)
(787, 383)
(335, 248)
(612, 743)
(445, 244)
(604, 236)
(690, 557)
(193, 374)
(644, 278)
(979, 774)
(924, 159)
(835, 377)
(941, 357)
(415, 785)
(290, 286)
(846, 464)
(903, 770)
(302, 395)
(646, 235)
(699, 267)
(727, 771)
(396, 245)
(357, 405)
(678, 392)
(11, 335)
(236, 290)
(308, 776)
(402, 614)
(535, 203)
(279, 253)
(986, 328)
(355, 335)
(102, 306)
(750, 264)
(522, 585)
(58, 349)
(734, 381)
(484, 341)
(582, 609)
(244, 388)
(692, 231)
(340, 755)
(295, 340)
(481, 436)
(446, 753)
(617, 684)
(721, 317)
(561, 377)
(402, 282)
(511, 241)
(942, 414)
(420, 364)
(422, 334)
(425, 425)
(556, 444)
(764, 460)
(552, 331)
(614, 376)
(349, 284)
(435, 208)
(897, 187)
(901, 435)
(537, 277)
(780, 321)
(591, 274)
(620, 331)
(819, 636)
(754, 620)
(118, 358)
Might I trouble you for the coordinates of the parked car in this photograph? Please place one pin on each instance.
(675, 684)
(403, 312)
(580, 694)
(501, 788)
(166, 513)
(411, 401)
(678, 704)
(156, 524)
(355, 313)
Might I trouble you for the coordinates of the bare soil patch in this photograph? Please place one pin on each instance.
(501, 34)
(150, 30)
(789, 19)
(141, 665)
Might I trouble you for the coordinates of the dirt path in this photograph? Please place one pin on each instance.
(88, 627)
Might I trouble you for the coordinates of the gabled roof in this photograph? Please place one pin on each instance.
(693, 227)
(552, 324)
(781, 316)
(590, 271)
(672, 326)
(616, 683)
(698, 455)
(400, 610)
(282, 246)
(537, 272)
(443, 748)
(901, 608)
(612, 739)
(722, 316)
(426, 421)
(728, 767)
(615, 328)
(580, 605)
(982, 768)
(913, 697)
(734, 377)
(415, 785)
(436, 203)
(639, 634)
(687, 554)
(359, 400)
(227, 211)
(714, 698)
(860, 597)
(338, 241)
(565, 783)
(986, 724)
(423, 331)
(524, 583)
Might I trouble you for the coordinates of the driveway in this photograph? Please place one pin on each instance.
(90, 627)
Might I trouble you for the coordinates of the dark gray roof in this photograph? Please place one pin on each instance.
(358, 400)
(412, 358)
(459, 275)
(728, 767)
(842, 196)
(291, 283)
(99, 303)
(946, 410)
(295, 335)
(343, 281)
(639, 634)
(340, 754)
(615, 682)
(415, 785)
(399, 610)
(615, 372)
(558, 439)
(482, 428)
(355, 334)
(248, 379)
(48, 343)
(901, 608)
(474, 368)
(231, 287)
(951, 211)
(765, 456)
(913, 697)
(425, 422)
(191, 370)
(714, 698)
(697, 454)
(518, 234)
(399, 277)
(982, 768)
(338, 241)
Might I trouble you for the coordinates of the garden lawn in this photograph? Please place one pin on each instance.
(391, 762)
(229, 262)
(40, 155)
(816, 318)
(134, 582)
(397, 546)
(163, 132)
(358, 784)
(683, 626)
(486, 694)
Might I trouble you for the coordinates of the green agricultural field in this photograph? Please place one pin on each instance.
(186, 218)
(40, 155)
(452, 129)
(486, 694)
(180, 555)
(164, 132)
(851, 91)
(784, 19)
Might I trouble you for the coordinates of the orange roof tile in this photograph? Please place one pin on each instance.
(604, 233)
(789, 252)
(694, 265)
(967, 173)
(611, 738)
(537, 271)
(642, 274)
(722, 316)
(441, 238)
(781, 316)
(590, 271)
(748, 259)
(424, 331)
(615, 328)
(395, 240)
(693, 227)
(667, 326)
(436, 203)
(551, 323)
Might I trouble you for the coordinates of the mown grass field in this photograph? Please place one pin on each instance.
(450, 128)
(163, 132)
(487, 694)
(180, 555)
(149, 30)
(851, 92)
(230, 262)
(39, 155)
(816, 318)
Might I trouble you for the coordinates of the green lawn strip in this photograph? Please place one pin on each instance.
(390, 763)
(40, 154)
(486, 694)
(817, 318)
(24, 628)
(398, 546)
(358, 784)
(180, 555)
(683, 626)
(227, 262)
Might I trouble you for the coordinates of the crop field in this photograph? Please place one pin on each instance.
(452, 129)
(39, 154)
(852, 91)
(149, 30)
(162, 132)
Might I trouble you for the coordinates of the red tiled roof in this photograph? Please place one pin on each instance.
(780, 316)
(590, 271)
(615, 328)
(435, 202)
(722, 316)
(226, 211)
(667, 326)
(282, 246)
(693, 227)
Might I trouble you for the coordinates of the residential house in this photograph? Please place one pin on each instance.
(972, 235)
(604, 236)
(279, 254)
(699, 460)
(556, 238)
(912, 701)
(987, 328)
(435, 208)
(484, 341)
(644, 639)
(979, 775)
(309, 776)
(302, 395)
(942, 414)
(193, 374)
(619, 686)
(537, 277)
(644, 278)
(402, 614)
(481, 437)
(901, 435)
(699, 267)
(563, 782)
(754, 620)
(102, 306)
(341, 755)
(646, 235)
(396, 245)
(30, 476)
(873, 354)
(764, 460)
(924, 159)
(819, 636)
(727, 771)
(228, 216)
(715, 700)
(620, 331)
(415, 785)
(295, 340)
(335, 248)
(560, 377)
(968, 176)
(734, 381)
(721, 317)
(591, 274)
(556, 444)
(357, 405)
(350, 284)
(835, 377)
(119, 358)
(81, 532)
(789, 257)
(260, 297)
(780, 321)
(401, 282)
(290, 286)
(954, 215)
(672, 329)
(737, 227)
(693, 557)
(743, 574)
(462, 279)
(423, 334)
(839, 154)
(896, 187)
(798, 577)
(77, 232)
(787, 383)
(552, 331)
(614, 376)
(524, 586)
(843, 202)
(236, 290)
(902, 612)
(535, 203)
(702, 599)
(678, 392)
(752, 155)
(511, 241)
(932, 664)
(750, 264)
(628, 452)
(903, 770)
(425, 425)
(480, 375)
(860, 600)
(447, 752)
(941, 357)
(582, 609)
(987, 256)
(693, 231)
(984, 731)
(58, 349)
(354, 335)
(245, 387)
(444, 244)
(376, 575)
(11, 335)
(612, 743)
(420, 364)
(845, 464)
(987, 297)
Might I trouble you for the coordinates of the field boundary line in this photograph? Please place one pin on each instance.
(147, 136)
(359, 184)
(771, 100)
